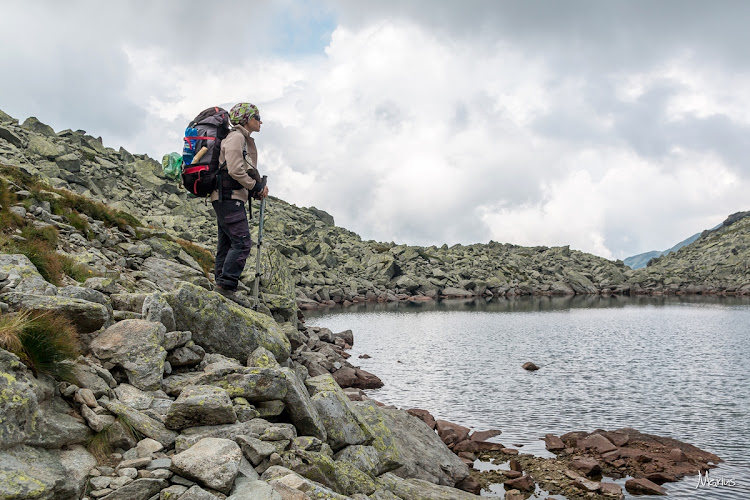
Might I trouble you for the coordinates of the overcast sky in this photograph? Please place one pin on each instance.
(615, 127)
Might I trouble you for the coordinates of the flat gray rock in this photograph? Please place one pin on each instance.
(212, 462)
(199, 405)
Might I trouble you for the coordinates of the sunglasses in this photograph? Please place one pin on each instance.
(256, 116)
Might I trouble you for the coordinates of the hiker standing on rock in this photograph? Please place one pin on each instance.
(236, 184)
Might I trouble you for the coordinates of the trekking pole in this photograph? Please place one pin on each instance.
(257, 254)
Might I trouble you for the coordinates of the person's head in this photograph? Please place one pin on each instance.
(245, 115)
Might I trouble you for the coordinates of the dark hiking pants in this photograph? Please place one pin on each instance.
(234, 242)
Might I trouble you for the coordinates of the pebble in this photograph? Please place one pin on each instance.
(130, 472)
(119, 482)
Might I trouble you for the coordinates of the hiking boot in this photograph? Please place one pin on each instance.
(234, 296)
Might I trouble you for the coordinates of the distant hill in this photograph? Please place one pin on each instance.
(718, 262)
(639, 261)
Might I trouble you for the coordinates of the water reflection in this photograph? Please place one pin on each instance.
(534, 304)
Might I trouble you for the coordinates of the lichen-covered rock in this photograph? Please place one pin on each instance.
(383, 441)
(44, 147)
(29, 472)
(300, 407)
(23, 276)
(418, 489)
(54, 427)
(255, 490)
(140, 489)
(342, 477)
(213, 462)
(341, 424)
(364, 458)
(253, 384)
(277, 475)
(86, 376)
(87, 316)
(157, 309)
(33, 124)
(167, 274)
(422, 452)
(221, 326)
(19, 405)
(263, 358)
(189, 437)
(254, 449)
(200, 405)
(136, 346)
(144, 424)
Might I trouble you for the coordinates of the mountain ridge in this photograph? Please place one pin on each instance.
(328, 264)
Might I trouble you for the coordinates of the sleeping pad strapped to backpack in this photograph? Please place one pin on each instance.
(199, 174)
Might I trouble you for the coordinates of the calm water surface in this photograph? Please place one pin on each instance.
(673, 367)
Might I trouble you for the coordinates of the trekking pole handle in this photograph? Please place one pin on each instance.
(199, 154)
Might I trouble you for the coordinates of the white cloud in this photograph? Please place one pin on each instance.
(426, 122)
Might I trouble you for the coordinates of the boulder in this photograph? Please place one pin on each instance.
(54, 427)
(255, 490)
(189, 355)
(140, 489)
(141, 422)
(44, 147)
(11, 137)
(419, 489)
(136, 346)
(212, 462)
(378, 425)
(281, 478)
(446, 429)
(424, 415)
(189, 437)
(364, 458)
(221, 326)
(523, 483)
(422, 453)
(32, 124)
(157, 309)
(263, 358)
(340, 476)
(254, 449)
(553, 443)
(587, 466)
(167, 274)
(29, 472)
(200, 405)
(253, 384)
(195, 492)
(19, 404)
(354, 377)
(86, 376)
(88, 317)
(341, 424)
(596, 442)
(69, 162)
(23, 276)
(302, 411)
(642, 486)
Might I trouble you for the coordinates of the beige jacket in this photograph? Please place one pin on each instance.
(243, 170)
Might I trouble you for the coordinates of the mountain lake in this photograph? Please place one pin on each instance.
(671, 366)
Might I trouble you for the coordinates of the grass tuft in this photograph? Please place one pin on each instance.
(75, 270)
(42, 340)
(203, 257)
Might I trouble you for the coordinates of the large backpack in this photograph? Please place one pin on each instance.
(201, 166)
